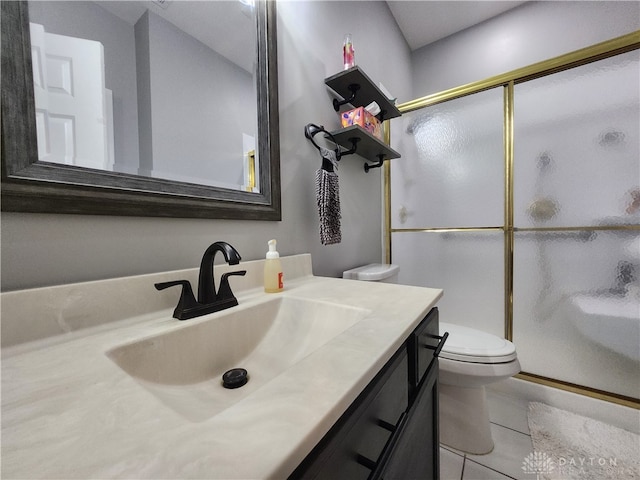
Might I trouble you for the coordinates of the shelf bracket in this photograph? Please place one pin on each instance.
(369, 166)
(354, 147)
(353, 88)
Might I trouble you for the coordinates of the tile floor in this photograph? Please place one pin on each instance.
(512, 444)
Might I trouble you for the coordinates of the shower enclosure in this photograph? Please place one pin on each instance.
(520, 196)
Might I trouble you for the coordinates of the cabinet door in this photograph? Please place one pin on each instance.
(421, 346)
(416, 454)
(353, 446)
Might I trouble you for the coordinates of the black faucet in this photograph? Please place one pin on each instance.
(209, 300)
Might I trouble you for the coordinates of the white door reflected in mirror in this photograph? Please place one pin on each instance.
(71, 101)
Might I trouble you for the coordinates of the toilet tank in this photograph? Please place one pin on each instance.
(374, 272)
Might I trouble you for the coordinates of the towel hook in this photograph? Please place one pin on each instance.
(310, 130)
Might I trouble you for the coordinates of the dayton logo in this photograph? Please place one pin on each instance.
(537, 463)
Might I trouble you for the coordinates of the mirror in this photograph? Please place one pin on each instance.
(198, 166)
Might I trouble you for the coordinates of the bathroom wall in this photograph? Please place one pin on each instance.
(181, 119)
(42, 249)
(530, 33)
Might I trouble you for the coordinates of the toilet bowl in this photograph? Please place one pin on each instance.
(469, 360)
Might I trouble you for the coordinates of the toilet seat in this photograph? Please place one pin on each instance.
(470, 345)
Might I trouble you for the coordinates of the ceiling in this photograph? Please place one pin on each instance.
(226, 27)
(425, 21)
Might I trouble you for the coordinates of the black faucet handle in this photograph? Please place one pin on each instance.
(224, 291)
(187, 299)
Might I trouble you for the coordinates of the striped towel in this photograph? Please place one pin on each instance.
(328, 198)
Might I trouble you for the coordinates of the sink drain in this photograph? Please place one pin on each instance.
(234, 378)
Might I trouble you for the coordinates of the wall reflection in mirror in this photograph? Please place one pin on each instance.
(160, 89)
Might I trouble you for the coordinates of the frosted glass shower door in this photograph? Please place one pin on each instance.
(452, 169)
(577, 225)
(451, 177)
(469, 266)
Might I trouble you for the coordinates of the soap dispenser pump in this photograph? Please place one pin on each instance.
(273, 277)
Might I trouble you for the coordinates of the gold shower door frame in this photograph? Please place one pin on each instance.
(600, 51)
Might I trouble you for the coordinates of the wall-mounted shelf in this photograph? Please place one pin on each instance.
(357, 140)
(357, 89)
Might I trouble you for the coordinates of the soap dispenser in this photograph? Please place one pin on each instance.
(273, 277)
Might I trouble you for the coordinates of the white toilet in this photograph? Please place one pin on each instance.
(469, 360)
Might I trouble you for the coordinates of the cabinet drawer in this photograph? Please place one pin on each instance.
(422, 344)
(352, 447)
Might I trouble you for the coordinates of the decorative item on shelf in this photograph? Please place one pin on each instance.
(361, 116)
(348, 52)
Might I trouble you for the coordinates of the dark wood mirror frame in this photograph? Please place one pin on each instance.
(29, 185)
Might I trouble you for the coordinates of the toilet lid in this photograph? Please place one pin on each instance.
(470, 345)
(373, 272)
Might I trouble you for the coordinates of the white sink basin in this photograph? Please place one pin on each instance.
(183, 367)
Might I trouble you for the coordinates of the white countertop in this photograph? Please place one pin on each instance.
(68, 411)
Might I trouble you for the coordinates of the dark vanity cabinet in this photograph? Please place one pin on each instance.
(391, 430)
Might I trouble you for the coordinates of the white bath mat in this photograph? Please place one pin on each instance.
(570, 446)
